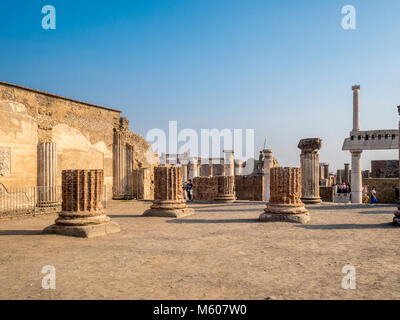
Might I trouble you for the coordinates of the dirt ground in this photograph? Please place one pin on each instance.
(221, 252)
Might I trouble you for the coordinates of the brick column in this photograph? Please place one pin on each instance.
(396, 218)
(226, 188)
(47, 174)
(168, 197)
(309, 159)
(82, 213)
(285, 204)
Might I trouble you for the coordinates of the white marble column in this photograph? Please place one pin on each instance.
(47, 174)
(356, 177)
(267, 165)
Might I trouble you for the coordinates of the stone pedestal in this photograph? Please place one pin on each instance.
(47, 175)
(310, 170)
(168, 198)
(226, 189)
(396, 219)
(82, 213)
(285, 204)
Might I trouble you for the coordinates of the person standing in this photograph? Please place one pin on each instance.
(374, 199)
(189, 189)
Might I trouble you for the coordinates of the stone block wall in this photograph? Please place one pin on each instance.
(385, 189)
(205, 188)
(249, 188)
(385, 169)
(327, 194)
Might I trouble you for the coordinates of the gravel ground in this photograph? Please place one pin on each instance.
(221, 252)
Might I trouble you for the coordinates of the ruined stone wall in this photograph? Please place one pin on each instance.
(327, 194)
(205, 188)
(385, 168)
(385, 189)
(83, 133)
(249, 188)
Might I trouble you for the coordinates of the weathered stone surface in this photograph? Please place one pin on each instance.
(83, 214)
(168, 197)
(205, 188)
(47, 175)
(285, 204)
(250, 188)
(310, 169)
(226, 188)
(5, 161)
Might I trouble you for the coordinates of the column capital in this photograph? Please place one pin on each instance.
(355, 152)
(310, 144)
(355, 87)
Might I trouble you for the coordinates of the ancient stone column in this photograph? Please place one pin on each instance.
(168, 197)
(346, 177)
(326, 171)
(193, 169)
(47, 174)
(396, 218)
(356, 108)
(267, 165)
(82, 213)
(238, 167)
(184, 172)
(226, 189)
(119, 166)
(310, 169)
(229, 162)
(129, 172)
(285, 204)
(339, 178)
(210, 167)
(356, 177)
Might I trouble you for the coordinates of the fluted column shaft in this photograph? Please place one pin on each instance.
(356, 177)
(47, 173)
(119, 166)
(309, 159)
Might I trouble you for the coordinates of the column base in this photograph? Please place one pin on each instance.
(46, 204)
(225, 198)
(89, 231)
(169, 209)
(285, 213)
(315, 200)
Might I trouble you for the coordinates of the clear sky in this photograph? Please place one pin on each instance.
(283, 68)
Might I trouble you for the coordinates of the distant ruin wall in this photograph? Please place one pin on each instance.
(385, 189)
(249, 188)
(385, 169)
(327, 194)
(205, 188)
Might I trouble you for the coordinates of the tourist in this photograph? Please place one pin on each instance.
(374, 199)
(189, 189)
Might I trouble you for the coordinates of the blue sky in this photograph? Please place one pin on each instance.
(283, 68)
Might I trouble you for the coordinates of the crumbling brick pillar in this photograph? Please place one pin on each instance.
(82, 213)
(226, 189)
(47, 174)
(396, 218)
(168, 197)
(285, 204)
(309, 159)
